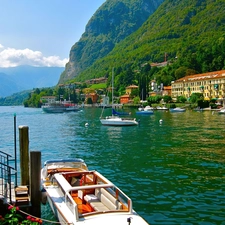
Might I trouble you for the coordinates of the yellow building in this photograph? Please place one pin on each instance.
(211, 85)
(130, 88)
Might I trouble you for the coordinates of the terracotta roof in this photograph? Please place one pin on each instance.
(167, 87)
(203, 76)
(132, 86)
(124, 96)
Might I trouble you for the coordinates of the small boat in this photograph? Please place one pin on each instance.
(147, 110)
(161, 108)
(115, 120)
(119, 113)
(221, 111)
(177, 109)
(60, 107)
(144, 112)
(80, 196)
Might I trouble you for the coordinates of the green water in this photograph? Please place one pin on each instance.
(174, 172)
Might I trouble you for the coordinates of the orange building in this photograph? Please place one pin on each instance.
(93, 96)
(124, 99)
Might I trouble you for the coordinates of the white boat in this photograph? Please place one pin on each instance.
(222, 111)
(115, 120)
(161, 108)
(147, 110)
(79, 196)
(177, 109)
(60, 107)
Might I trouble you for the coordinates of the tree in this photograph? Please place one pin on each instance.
(167, 98)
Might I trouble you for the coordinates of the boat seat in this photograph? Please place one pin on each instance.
(102, 200)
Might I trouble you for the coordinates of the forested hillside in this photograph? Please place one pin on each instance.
(191, 33)
(112, 22)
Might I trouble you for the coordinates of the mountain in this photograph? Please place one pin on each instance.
(16, 79)
(188, 34)
(112, 22)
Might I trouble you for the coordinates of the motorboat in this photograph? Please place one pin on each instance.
(80, 196)
(161, 108)
(60, 107)
(221, 111)
(177, 109)
(147, 110)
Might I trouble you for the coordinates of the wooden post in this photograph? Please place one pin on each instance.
(35, 178)
(24, 154)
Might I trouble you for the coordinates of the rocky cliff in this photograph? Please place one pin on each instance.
(112, 22)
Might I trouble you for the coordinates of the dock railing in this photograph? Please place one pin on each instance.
(6, 173)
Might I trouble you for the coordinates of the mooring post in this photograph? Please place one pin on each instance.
(24, 154)
(35, 180)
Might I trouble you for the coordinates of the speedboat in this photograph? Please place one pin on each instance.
(177, 109)
(80, 196)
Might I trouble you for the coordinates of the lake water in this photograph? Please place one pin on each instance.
(174, 172)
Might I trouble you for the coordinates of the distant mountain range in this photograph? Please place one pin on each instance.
(17, 79)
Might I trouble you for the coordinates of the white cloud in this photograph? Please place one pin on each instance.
(11, 57)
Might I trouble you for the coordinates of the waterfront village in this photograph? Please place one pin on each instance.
(211, 85)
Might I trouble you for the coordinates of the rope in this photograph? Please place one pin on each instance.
(44, 220)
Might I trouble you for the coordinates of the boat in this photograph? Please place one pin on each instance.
(221, 111)
(161, 108)
(81, 196)
(115, 120)
(119, 113)
(177, 109)
(147, 110)
(60, 107)
(144, 112)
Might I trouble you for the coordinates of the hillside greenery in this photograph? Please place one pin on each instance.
(15, 99)
(110, 24)
(191, 34)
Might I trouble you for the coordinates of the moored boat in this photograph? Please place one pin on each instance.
(147, 110)
(115, 120)
(221, 111)
(177, 109)
(60, 107)
(80, 196)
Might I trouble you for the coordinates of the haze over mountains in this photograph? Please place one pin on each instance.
(16, 79)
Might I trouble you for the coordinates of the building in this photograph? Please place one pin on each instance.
(166, 91)
(124, 99)
(93, 96)
(211, 85)
(48, 99)
(130, 88)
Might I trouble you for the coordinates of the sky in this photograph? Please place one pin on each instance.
(42, 32)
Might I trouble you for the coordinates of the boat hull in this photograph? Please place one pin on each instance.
(118, 122)
(63, 197)
(177, 110)
(144, 112)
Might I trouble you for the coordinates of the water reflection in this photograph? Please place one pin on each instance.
(173, 171)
